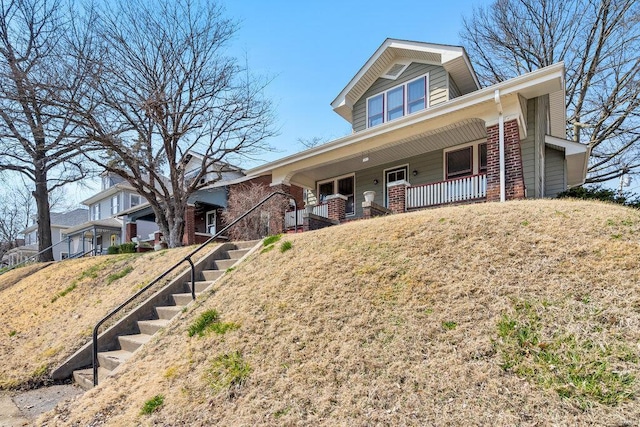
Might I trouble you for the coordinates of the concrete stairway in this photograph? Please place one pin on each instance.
(134, 333)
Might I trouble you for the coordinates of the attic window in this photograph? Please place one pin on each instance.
(395, 70)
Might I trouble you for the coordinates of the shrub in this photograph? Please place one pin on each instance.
(113, 250)
(128, 248)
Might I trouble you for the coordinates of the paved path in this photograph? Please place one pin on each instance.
(21, 409)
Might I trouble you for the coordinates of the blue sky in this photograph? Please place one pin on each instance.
(312, 49)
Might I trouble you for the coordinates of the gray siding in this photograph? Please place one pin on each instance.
(554, 172)
(454, 92)
(437, 89)
(528, 151)
(429, 167)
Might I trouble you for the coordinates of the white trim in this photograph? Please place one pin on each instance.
(215, 223)
(405, 98)
(384, 180)
(335, 185)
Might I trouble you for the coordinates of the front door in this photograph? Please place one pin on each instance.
(211, 222)
(392, 175)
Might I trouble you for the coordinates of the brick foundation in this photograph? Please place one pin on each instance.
(514, 177)
(397, 198)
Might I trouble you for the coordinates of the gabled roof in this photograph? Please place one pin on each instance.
(63, 219)
(453, 58)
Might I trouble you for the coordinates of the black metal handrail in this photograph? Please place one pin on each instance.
(163, 275)
(35, 256)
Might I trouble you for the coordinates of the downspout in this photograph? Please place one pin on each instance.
(496, 97)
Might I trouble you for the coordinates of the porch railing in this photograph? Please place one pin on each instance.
(450, 191)
(290, 218)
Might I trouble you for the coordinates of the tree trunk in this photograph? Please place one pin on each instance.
(41, 194)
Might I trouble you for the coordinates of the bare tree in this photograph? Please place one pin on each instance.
(16, 210)
(163, 87)
(38, 138)
(599, 41)
(259, 223)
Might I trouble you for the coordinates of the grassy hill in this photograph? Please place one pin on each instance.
(523, 313)
(47, 311)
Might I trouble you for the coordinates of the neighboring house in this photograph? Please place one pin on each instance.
(426, 134)
(60, 223)
(102, 227)
(202, 217)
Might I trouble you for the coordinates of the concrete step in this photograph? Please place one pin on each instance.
(168, 311)
(183, 299)
(150, 327)
(246, 245)
(112, 359)
(238, 253)
(201, 285)
(132, 342)
(223, 264)
(210, 276)
(84, 377)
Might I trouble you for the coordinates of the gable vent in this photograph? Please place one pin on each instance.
(395, 70)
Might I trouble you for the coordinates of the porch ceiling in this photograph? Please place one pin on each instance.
(455, 134)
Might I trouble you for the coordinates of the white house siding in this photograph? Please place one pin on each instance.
(554, 169)
(437, 89)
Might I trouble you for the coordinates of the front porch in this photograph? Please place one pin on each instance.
(401, 197)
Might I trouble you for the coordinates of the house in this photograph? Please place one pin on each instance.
(60, 223)
(203, 214)
(102, 227)
(426, 134)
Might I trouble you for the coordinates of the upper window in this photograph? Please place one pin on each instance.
(134, 200)
(398, 101)
(115, 204)
(95, 212)
(375, 108)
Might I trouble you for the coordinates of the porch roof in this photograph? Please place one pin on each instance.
(109, 224)
(459, 120)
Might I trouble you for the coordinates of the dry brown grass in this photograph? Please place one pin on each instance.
(394, 321)
(48, 315)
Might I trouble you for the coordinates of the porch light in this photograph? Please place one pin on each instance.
(375, 182)
(415, 172)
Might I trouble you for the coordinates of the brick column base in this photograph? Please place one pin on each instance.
(131, 231)
(397, 196)
(337, 206)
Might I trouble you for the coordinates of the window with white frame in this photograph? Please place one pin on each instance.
(134, 200)
(95, 212)
(398, 101)
(344, 185)
(470, 159)
(115, 204)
